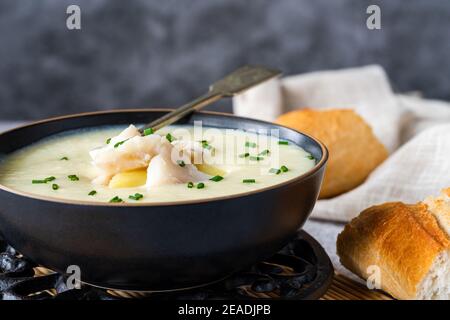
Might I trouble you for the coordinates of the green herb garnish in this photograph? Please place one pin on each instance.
(278, 171)
(256, 158)
(207, 146)
(251, 144)
(181, 163)
(169, 137)
(310, 157)
(274, 170)
(108, 140)
(92, 193)
(55, 186)
(120, 143)
(136, 196)
(216, 178)
(148, 131)
(73, 177)
(244, 155)
(249, 181)
(264, 152)
(38, 181)
(116, 199)
(48, 179)
(201, 185)
(285, 143)
(64, 158)
(190, 185)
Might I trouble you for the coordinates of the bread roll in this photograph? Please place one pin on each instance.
(354, 149)
(409, 243)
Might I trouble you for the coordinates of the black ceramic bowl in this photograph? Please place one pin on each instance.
(156, 246)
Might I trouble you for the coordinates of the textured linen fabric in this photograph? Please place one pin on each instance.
(416, 132)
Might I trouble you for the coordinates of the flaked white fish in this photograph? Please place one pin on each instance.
(130, 151)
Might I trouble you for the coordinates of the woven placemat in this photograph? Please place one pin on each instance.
(343, 288)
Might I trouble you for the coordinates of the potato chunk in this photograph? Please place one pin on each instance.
(129, 179)
(210, 170)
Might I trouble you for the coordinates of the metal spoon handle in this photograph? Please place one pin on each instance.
(234, 83)
(184, 110)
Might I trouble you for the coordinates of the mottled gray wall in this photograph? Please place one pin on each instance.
(162, 53)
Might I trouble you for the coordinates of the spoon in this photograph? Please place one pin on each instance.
(236, 82)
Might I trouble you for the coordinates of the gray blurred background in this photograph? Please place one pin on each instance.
(140, 53)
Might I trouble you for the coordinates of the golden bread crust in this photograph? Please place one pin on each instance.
(446, 192)
(354, 150)
(402, 240)
(440, 208)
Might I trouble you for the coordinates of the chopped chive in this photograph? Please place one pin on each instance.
(116, 199)
(251, 144)
(108, 140)
(201, 185)
(285, 143)
(120, 143)
(244, 155)
(249, 181)
(38, 181)
(181, 163)
(284, 169)
(48, 179)
(136, 196)
(190, 185)
(169, 137)
(64, 158)
(73, 177)
(310, 157)
(264, 152)
(206, 145)
(92, 193)
(274, 170)
(148, 131)
(55, 186)
(216, 178)
(256, 158)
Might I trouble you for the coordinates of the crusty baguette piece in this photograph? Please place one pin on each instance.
(440, 208)
(354, 150)
(409, 243)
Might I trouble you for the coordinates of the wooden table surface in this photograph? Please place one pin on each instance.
(344, 288)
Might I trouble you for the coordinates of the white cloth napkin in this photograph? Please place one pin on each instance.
(415, 131)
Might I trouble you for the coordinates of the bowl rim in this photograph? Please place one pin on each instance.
(319, 164)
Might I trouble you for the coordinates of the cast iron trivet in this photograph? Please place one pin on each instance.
(301, 270)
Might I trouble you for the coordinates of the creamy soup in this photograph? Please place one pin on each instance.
(70, 165)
